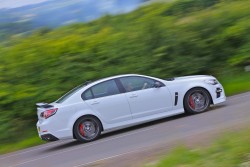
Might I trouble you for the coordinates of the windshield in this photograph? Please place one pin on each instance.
(71, 92)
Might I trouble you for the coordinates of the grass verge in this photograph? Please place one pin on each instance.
(29, 142)
(232, 149)
(235, 83)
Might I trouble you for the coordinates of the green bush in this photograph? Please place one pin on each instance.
(44, 65)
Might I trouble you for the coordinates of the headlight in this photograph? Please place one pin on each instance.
(212, 81)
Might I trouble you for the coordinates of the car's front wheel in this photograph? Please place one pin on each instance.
(87, 129)
(196, 100)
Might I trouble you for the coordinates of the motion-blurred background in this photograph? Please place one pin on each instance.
(48, 47)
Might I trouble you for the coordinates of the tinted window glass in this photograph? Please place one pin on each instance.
(70, 93)
(136, 83)
(105, 89)
(88, 95)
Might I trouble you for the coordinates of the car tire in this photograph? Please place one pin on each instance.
(197, 100)
(87, 129)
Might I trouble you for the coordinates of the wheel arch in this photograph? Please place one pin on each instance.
(211, 99)
(87, 115)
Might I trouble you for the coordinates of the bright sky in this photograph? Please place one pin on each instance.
(17, 3)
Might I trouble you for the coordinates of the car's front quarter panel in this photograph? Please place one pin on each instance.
(183, 86)
(221, 98)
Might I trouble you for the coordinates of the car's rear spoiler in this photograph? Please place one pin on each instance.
(44, 105)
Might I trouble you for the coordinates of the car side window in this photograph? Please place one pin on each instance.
(137, 83)
(88, 95)
(103, 89)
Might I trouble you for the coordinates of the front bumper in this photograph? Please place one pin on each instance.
(219, 95)
(218, 92)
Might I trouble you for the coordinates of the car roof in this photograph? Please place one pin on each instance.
(112, 77)
(118, 76)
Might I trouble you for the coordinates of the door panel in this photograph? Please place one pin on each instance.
(149, 101)
(144, 99)
(112, 109)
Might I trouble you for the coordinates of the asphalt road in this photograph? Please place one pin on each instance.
(70, 153)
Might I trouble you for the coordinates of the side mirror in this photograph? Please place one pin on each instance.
(157, 85)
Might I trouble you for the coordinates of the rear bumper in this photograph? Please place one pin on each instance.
(49, 131)
(49, 137)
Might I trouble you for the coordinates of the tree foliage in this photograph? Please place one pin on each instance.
(161, 39)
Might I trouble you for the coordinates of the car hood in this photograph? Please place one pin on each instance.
(192, 77)
(189, 78)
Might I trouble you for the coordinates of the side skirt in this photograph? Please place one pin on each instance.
(133, 122)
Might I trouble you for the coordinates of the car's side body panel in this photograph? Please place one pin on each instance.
(112, 109)
(183, 85)
(149, 101)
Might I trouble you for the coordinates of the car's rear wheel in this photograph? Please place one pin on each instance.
(87, 129)
(196, 100)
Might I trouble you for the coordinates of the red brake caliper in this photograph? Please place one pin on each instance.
(191, 102)
(81, 127)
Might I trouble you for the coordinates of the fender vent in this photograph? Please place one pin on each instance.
(176, 98)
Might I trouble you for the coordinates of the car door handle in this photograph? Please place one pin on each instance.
(133, 95)
(95, 102)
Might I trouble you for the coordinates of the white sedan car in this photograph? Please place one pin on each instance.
(117, 102)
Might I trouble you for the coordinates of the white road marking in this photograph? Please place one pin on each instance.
(101, 141)
(32, 160)
(144, 148)
(138, 149)
(90, 144)
(47, 145)
(115, 156)
(230, 98)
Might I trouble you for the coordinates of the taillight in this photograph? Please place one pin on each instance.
(48, 113)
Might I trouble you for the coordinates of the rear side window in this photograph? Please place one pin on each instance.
(70, 93)
(88, 95)
(103, 89)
